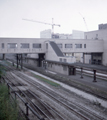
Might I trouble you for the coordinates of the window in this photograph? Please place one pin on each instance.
(2, 45)
(84, 45)
(59, 45)
(36, 45)
(64, 60)
(24, 45)
(78, 45)
(86, 36)
(96, 37)
(68, 45)
(46, 45)
(60, 59)
(12, 45)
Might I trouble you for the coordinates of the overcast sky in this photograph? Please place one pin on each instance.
(68, 13)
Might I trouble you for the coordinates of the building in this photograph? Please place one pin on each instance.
(101, 33)
(46, 34)
(75, 35)
(93, 49)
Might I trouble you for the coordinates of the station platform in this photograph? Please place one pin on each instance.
(86, 83)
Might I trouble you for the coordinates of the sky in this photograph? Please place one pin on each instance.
(83, 15)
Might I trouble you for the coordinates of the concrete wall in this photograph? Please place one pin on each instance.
(32, 62)
(50, 53)
(91, 45)
(18, 49)
(58, 68)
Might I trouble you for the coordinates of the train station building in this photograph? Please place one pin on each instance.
(92, 49)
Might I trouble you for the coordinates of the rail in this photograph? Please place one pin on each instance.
(28, 107)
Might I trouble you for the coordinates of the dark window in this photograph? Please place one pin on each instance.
(78, 45)
(36, 45)
(12, 45)
(64, 60)
(60, 59)
(2, 45)
(68, 45)
(84, 45)
(59, 45)
(24, 45)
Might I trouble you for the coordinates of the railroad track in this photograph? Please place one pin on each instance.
(47, 111)
(42, 109)
(82, 112)
(76, 109)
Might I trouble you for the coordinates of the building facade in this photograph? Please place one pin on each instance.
(101, 33)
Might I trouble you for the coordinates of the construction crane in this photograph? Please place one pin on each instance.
(84, 21)
(44, 23)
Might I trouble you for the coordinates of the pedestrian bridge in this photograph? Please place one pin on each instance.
(38, 45)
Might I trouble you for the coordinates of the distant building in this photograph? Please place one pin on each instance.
(75, 35)
(62, 36)
(46, 34)
(102, 26)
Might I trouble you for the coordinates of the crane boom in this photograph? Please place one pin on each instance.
(44, 23)
(84, 21)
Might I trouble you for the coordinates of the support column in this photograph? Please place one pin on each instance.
(81, 72)
(21, 61)
(83, 57)
(3, 56)
(17, 60)
(94, 76)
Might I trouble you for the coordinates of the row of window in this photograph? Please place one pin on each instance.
(71, 46)
(38, 45)
(22, 45)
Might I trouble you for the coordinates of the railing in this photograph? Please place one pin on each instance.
(28, 107)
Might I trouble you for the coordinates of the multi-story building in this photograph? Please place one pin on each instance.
(100, 34)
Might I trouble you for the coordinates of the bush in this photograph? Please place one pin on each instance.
(2, 70)
(8, 110)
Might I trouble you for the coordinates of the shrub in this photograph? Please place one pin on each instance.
(8, 109)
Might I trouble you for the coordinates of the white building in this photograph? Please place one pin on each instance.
(46, 34)
(101, 33)
(75, 35)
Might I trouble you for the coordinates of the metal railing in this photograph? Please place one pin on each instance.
(16, 94)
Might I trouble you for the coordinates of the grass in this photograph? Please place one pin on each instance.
(8, 109)
(46, 80)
